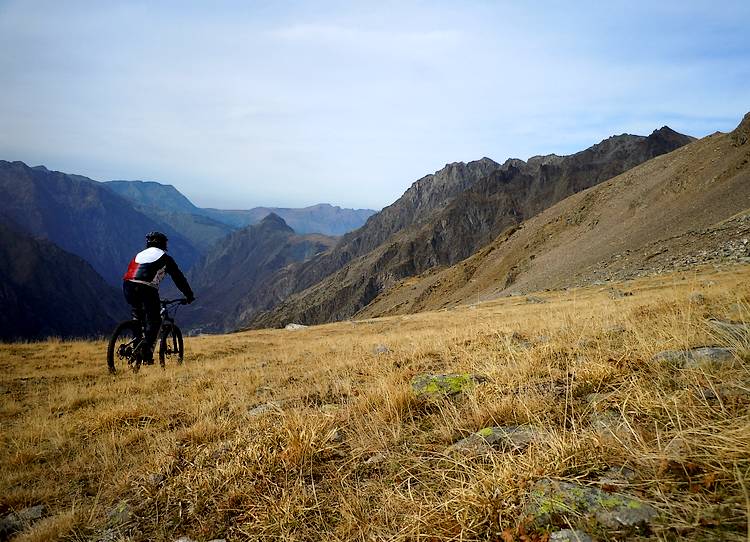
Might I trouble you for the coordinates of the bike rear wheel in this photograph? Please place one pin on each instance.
(123, 350)
(171, 346)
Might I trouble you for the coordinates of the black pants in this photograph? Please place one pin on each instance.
(144, 300)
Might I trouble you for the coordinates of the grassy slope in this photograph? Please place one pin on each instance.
(181, 447)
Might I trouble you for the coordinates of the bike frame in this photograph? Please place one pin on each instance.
(166, 323)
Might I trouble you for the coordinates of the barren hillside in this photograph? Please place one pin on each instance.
(674, 211)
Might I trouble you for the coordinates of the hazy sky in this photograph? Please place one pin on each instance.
(240, 104)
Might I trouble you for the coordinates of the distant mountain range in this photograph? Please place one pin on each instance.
(167, 202)
(85, 229)
(470, 231)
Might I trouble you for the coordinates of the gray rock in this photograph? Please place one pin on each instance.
(381, 349)
(567, 504)
(570, 535)
(376, 459)
(32, 514)
(435, 386)
(697, 357)
(9, 525)
(17, 521)
(294, 327)
(505, 438)
(697, 298)
(535, 300)
(120, 514)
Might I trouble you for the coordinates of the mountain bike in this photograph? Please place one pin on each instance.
(127, 345)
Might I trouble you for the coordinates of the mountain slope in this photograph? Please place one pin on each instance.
(226, 277)
(83, 217)
(164, 203)
(676, 210)
(45, 291)
(505, 197)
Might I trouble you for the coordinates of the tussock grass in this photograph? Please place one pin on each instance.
(345, 451)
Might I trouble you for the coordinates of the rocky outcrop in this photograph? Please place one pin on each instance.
(437, 386)
(564, 504)
(697, 357)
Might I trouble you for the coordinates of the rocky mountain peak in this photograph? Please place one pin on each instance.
(741, 134)
(275, 222)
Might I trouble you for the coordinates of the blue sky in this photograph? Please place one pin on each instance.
(240, 104)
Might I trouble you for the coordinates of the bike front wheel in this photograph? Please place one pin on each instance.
(171, 347)
(123, 348)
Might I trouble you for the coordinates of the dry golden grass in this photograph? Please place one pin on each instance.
(346, 452)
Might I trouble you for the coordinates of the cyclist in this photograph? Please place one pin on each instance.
(141, 286)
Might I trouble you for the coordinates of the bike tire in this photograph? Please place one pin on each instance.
(125, 337)
(171, 347)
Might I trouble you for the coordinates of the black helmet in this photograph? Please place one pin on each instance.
(156, 239)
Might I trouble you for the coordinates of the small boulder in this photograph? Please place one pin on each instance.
(532, 299)
(504, 438)
(436, 386)
(376, 459)
(568, 504)
(381, 349)
(294, 327)
(697, 357)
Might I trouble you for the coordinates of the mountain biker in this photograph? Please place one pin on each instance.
(141, 286)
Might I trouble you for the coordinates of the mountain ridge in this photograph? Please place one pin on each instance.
(82, 217)
(672, 212)
(504, 197)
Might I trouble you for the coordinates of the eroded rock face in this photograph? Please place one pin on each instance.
(436, 386)
(564, 504)
(503, 438)
(697, 357)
